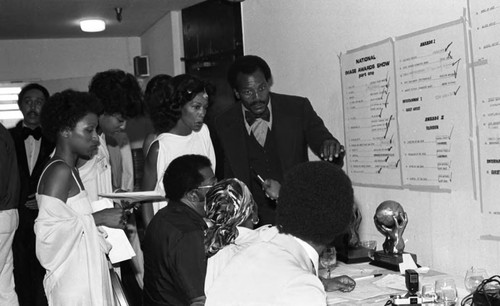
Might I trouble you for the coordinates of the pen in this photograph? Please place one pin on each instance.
(259, 178)
(367, 277)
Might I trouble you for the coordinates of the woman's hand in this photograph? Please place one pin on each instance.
(111, 217)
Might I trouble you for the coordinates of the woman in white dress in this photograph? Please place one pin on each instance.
(68, 243)
(177, 113)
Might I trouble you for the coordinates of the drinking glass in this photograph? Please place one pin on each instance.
(446, 292)
(428, 293)
(328, 259)
(474, 277)
(371, 245)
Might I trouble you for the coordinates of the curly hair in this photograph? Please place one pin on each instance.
(64, 109)
(228, 204)
(167, 102)
(118, 91)
(155, 86)
(247, 64)
(315, 202)
(31, 86)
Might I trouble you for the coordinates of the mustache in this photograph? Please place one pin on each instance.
(33, 113)
(258, 102)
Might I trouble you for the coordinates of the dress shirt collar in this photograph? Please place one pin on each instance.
(311, 252)
(269, 124)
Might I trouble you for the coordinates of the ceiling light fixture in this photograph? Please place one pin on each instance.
(92, 25)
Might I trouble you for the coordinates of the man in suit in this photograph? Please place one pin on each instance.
(265, 134)
(33, 151)
(315, 205)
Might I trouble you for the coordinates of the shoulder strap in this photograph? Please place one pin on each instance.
(47, 167)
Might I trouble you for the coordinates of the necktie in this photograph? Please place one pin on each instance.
(36, 133)
(251, 117)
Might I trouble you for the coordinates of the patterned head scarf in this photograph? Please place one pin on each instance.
(228, 204)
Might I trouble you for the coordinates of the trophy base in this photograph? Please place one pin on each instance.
(390, 261)
(353, 255)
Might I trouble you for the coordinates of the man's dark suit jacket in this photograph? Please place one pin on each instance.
(295, 125)
(27, 269)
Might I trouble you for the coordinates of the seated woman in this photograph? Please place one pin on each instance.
(68, 243)
(231, 213)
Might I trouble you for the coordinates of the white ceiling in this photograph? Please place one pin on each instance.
(30, 19)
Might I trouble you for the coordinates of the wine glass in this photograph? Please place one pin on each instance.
(371, 245)
(328, 259)
(446, 292)
(474, 277)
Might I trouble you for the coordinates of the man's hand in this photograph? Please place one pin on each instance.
(271, 188)
(331, 149)
(31, 202)
(340, 283)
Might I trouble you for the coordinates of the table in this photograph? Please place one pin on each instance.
(376, 291)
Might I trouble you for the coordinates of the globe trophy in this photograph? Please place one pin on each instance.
(391, 220)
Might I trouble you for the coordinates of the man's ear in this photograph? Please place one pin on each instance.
(270, 82)
(236, 94)
(192, 195)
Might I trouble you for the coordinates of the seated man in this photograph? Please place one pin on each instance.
(315, 205)
(174, 253)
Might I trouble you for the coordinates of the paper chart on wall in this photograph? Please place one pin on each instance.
(371, 132)
(433, 96)
(485, 38)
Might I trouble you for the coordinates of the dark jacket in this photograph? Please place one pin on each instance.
(29, 182)
(28, 273)
(295, 124)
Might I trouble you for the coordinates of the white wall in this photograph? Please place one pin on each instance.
(64, 63)
(301, 40)
(163, 44)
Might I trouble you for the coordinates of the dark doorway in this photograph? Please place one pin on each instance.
(212, 40)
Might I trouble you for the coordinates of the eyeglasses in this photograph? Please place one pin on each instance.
(213, 181)
(205, 187)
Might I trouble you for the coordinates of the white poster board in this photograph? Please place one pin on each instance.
(485, 38)
(370, 123)
(433, 104)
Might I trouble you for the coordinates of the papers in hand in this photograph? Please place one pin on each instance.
(121, 249)
(150, 196)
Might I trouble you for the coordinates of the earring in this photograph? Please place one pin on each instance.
(255, 220)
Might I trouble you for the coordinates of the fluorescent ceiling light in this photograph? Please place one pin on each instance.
(92, 25)
(10, 90)
(8, 97)
(9, 107)
(11, 115)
